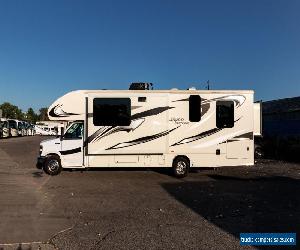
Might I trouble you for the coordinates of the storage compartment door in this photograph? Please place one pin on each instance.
(238, 149)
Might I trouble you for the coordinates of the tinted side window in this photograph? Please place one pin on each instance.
(112, 111)
(194, 108)
(74, 132)
(225, 114)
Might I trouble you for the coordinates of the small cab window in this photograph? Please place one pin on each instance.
(194, 108)
(225, 114)
(75, 131)
(112, 111)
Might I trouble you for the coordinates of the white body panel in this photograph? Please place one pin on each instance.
(76, 158)
(159, 130)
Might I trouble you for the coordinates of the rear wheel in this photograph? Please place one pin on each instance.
(259, 153)
(52, 165)
(180, 167)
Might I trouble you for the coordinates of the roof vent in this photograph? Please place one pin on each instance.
(191, 88)
(141, 86)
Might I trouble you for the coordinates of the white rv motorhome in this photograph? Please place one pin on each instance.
(27, 126)
(54, 126)
(30, 129)
(13, 127)
(22, 128)
(153, 128)
(4, 128)
(44, 130)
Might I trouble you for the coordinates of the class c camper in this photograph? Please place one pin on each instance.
(179, 129)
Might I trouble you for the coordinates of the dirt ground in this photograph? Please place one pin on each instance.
(141, 208)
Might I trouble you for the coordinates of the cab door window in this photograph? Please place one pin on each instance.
(75, 131)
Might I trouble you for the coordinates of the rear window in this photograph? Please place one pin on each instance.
(225, 114)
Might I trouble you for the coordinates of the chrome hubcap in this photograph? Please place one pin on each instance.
(181, 167)
(53, 165)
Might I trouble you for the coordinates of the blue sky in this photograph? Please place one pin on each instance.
(48, 48)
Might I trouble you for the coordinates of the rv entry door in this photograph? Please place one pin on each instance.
(71, 146)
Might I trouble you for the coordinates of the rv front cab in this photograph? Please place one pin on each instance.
(62, 151)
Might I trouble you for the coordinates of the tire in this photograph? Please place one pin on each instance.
(180, 167)
(259, 153)
(52, 165)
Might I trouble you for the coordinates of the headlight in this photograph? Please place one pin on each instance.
(41, 149)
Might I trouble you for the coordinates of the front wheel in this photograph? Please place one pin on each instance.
(52, 165)
(181, 167)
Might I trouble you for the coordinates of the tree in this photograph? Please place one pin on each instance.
(14, 112)
(43, 116)
(11, 111)
(19, 114)
(31, 116)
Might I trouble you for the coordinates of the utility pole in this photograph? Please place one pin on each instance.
(207, 86)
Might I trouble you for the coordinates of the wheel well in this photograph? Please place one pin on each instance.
(182, 156)
(53, 154)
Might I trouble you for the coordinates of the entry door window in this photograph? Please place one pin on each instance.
(75, 131)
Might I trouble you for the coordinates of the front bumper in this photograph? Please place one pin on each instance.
(40, 162)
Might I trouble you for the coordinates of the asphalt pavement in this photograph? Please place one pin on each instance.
(140, 208)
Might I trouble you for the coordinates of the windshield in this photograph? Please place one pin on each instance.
(12, 124)
(5, 124)
(20, 125)
(75, 131)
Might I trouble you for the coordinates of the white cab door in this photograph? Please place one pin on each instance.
(72, 146)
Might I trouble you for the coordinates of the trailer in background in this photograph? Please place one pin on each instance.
(4, 128)
(50, 127)
(281, 128)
